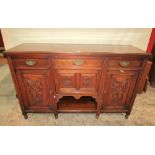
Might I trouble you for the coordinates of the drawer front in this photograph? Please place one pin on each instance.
(31, 63)
(124, 63)
(77, 63)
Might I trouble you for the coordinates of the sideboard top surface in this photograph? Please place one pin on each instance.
(74, 49)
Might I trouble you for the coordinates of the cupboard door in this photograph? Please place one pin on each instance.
(65, 81)
(88, 80)
(35, 88)
(119, 89)
(81, 82)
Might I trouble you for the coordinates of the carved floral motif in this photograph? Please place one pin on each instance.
(35, 90)
(118, 89)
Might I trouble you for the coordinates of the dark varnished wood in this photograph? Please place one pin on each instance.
(74, 48)
(70, 104)
(56, 78)
(119, 88)
(152, 71)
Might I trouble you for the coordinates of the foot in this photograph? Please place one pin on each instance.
(56, 116)
(25, 116)
(97, 116)
(126, 116)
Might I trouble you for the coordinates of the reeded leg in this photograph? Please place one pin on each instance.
(25, 115)
(56, 115)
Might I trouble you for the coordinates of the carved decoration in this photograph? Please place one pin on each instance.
(88, 81)
(35, 90)
(76, 97)
(67, 81)
(118, 89)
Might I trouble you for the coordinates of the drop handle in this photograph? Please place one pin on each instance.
(30, 62)
(124, 63)
(79, 62)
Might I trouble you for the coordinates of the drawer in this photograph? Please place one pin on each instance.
(31, 63)
(124, 63)
(77, 63)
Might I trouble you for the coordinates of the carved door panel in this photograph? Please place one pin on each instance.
(89, 82)
(35, 88)
(119, 88)
(65, 81)
(77, 82)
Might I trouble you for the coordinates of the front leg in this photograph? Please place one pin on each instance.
(25, 115)
(98, 109)
(97, 116)
(56, 115)
(127, 115)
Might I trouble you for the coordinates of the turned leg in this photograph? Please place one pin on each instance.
(127, 115)
(97, 115)
(56, 115)
(25, 115)
(98, 111)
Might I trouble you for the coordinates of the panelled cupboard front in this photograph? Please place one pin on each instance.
(76, 82)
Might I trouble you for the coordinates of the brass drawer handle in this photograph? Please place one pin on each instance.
(124, 63)
(78, 62)
(30, 62)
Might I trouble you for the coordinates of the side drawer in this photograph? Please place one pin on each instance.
(78, 63)
(125, 63)
(33, 63)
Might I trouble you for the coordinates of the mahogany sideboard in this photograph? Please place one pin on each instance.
(55, 78)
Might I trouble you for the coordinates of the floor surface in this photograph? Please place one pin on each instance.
(143, 112)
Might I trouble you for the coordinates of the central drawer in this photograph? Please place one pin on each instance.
(79, 63)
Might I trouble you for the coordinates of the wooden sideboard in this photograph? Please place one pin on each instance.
(55, 78)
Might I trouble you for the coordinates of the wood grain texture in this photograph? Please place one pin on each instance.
(74, 48)
(95, 82)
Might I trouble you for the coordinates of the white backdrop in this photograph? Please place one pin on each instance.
(136, 37)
